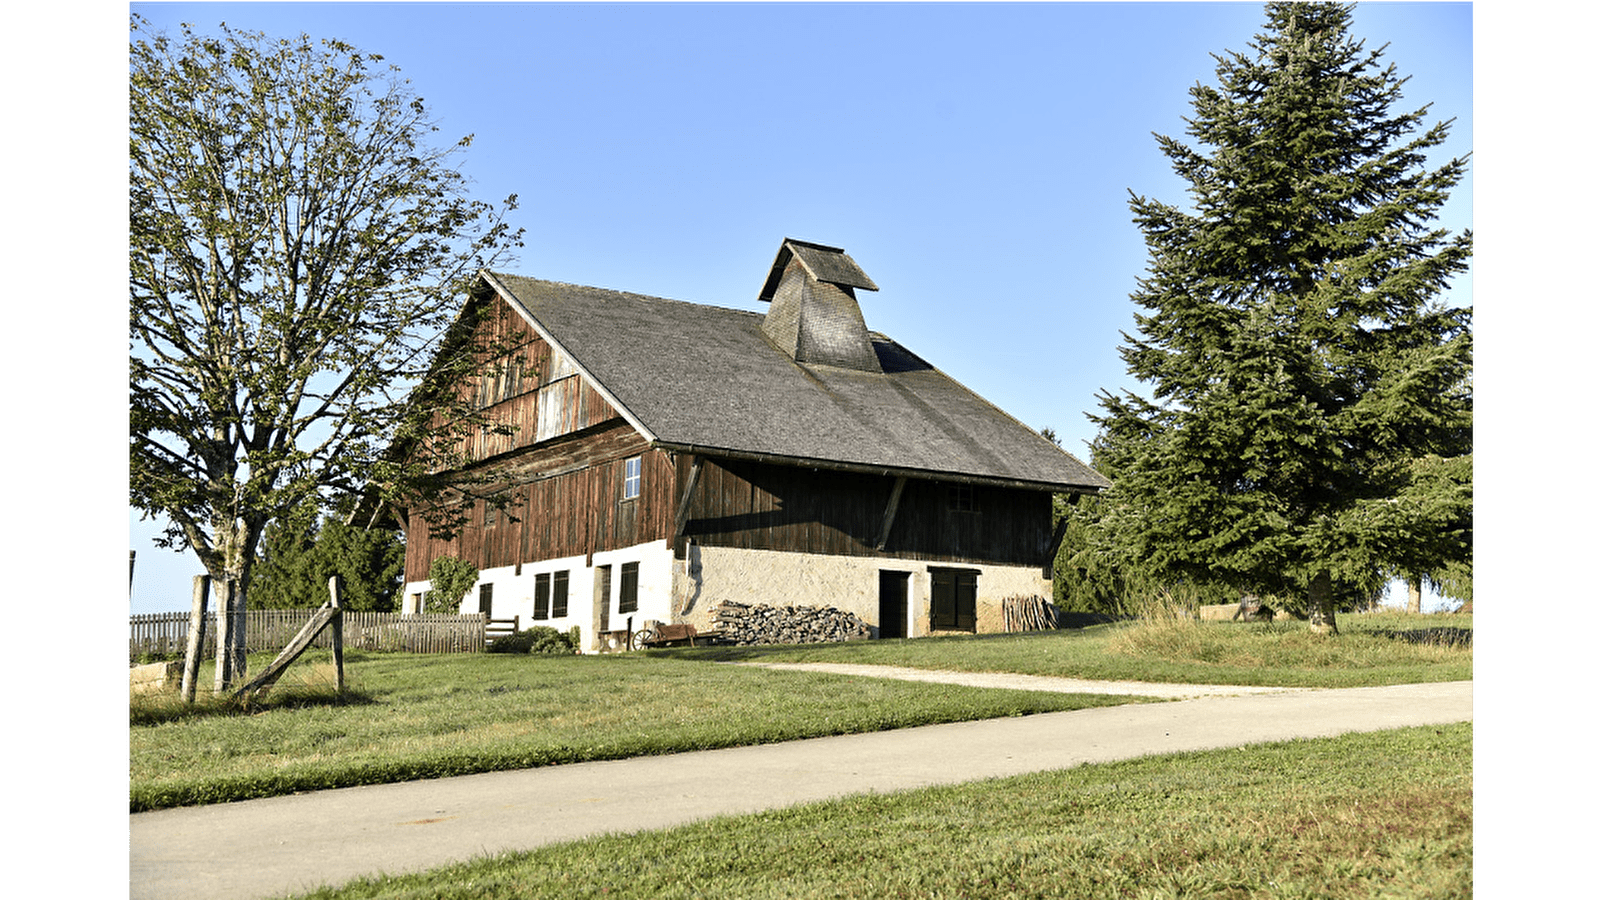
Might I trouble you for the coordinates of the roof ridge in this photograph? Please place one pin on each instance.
(623, 293)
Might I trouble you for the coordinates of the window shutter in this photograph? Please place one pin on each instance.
(558, 596)
(541, 596)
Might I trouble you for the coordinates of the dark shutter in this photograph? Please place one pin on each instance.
(953, 602)
(541, 596)
(558, 596)
(628, 599)
(942, 604)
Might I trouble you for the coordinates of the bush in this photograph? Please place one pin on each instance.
(538, 639)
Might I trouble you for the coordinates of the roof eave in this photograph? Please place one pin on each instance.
(1055, 487)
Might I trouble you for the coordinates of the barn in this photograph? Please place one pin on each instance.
(662, 457)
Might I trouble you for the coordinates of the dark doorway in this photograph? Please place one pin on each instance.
(893, 589)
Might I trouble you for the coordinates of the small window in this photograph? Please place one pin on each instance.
(558, 595)
(954, 601)
(962, 498)
(541, 596)
(628, 595)
(630, 478)
(486, 600)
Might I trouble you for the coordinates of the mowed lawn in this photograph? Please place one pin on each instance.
(1387, 814)
(425, 716)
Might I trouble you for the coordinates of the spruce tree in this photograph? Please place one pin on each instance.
(1307, 427)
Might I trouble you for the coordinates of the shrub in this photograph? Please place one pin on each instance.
(538, 639)
(450, 579)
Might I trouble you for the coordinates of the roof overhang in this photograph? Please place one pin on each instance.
(867, 469)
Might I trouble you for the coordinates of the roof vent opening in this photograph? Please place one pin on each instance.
(815, 317)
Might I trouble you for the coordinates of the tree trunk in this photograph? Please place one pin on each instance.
(230, 635)
(1413, 595)
(1320, 607)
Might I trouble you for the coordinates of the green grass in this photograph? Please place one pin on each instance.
(1283, 654)
(427, 716)
(409, 717)
(1387, 814)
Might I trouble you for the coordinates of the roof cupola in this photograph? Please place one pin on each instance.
(815, 318)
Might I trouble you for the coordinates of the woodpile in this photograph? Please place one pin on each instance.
(1029, 614)
(739, 623)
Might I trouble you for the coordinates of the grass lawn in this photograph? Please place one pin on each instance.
(1387, 814)
(1367, 652)
(425, 716)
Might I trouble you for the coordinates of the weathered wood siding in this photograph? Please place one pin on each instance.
(529, 388)
(566, 500)
(758, 506)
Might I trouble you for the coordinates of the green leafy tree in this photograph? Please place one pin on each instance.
(449, 580)
(1307, 429)
(295, 563)
(296, 248)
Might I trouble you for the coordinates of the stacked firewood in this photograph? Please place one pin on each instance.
(740, 623)
(1029, 614)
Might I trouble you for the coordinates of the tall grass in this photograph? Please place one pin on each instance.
(1165, 647)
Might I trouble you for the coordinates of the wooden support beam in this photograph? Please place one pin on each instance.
(682, 519)
(1055, 546)
(889, 512)
(328, 615)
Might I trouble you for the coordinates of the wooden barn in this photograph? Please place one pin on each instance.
(667, 456)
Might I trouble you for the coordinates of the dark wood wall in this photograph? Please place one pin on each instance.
(762, 506)
(565, 500)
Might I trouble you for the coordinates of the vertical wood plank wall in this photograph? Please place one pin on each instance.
(770, 507)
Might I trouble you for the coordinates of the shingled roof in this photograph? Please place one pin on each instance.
(706, 379)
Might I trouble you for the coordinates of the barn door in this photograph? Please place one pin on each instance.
(893, 588)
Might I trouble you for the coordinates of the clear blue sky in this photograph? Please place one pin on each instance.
(975, 159)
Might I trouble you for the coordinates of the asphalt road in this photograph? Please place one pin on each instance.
(284, 845)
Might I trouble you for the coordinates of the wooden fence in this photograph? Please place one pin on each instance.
(272, 629)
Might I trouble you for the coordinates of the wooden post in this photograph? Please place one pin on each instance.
(197, 637)
(230, 636)
(338, 635)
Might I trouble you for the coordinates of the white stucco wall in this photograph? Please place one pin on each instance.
(513, 593)
(710, 575)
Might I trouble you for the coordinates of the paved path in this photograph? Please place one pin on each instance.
(281, 845)
(1032, 682)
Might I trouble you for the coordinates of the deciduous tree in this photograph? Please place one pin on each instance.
(1307, 424)
(296, 246)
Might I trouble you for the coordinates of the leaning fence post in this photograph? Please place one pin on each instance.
(338, 634)
(197, 637)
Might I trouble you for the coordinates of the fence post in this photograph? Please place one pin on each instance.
(197, 637)
(338, 635)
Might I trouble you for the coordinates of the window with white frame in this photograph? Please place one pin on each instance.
(631, 471)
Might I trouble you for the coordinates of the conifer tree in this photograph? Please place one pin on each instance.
(1308, 424)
